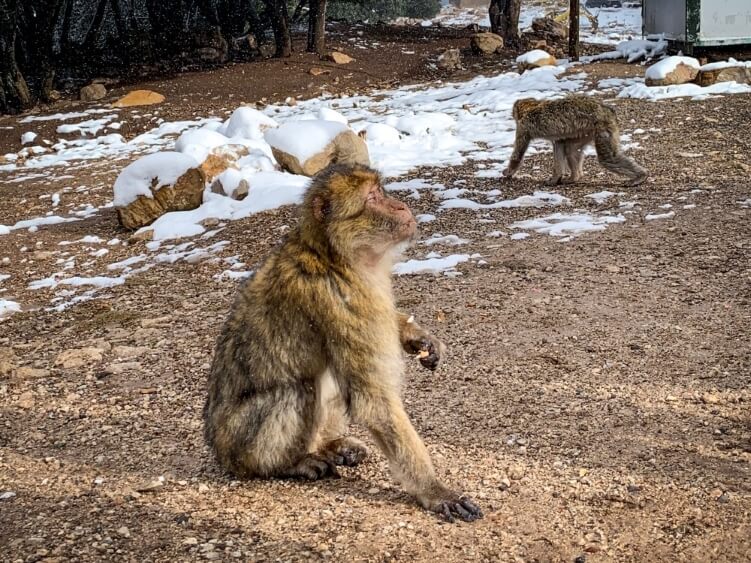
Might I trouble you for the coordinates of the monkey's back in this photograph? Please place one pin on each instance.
(569, 117)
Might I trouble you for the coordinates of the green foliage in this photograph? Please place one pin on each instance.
(367, 10)
(422, 8)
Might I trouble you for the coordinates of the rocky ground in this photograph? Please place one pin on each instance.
(594, 402)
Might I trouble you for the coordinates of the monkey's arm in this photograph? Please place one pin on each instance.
(417, 340)
(520, 147)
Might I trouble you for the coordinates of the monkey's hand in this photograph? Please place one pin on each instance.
(450, 506)
(419, 342)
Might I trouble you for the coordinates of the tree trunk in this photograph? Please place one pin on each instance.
(280, 24)
(14, 93)
(317, 27)
(573, 30)
(504, 20)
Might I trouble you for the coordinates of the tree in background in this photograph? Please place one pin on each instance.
(504, 20)
(317, 26)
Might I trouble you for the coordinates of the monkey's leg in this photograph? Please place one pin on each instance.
(610, 156)
(331, 442)
(520, 148)
(559, 163)
(575, 158)
(273, 432)
(383, 413)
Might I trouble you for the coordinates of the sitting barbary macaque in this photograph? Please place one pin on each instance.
(571, 123)
(314, 338)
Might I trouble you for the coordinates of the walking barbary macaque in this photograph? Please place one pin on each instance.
(314, 338)
(571, 123)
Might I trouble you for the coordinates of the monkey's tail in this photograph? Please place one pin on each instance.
(607, 144)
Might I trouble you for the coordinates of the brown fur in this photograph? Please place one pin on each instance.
(571, 123)
(314, 338)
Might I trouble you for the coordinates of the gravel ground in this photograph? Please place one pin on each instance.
(594, 402)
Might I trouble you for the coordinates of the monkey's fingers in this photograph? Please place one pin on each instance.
(462, 508)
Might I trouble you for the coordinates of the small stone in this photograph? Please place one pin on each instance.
(710, 398)
(190, 541)
(724, 498)
(26, 400)
(516, 472)
(78, 357)
(203, 488)
(486, 43)
(317, 71)
(129, 352)
(504, 484)
(450, 59)
(339, 58)
(612, 269)
(374, 491)
(92, 93)
(150, 486)
(124, 532)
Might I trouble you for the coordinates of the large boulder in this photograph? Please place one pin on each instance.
(486, 43)
(672, 70)
(550, 30)
(156, 184)
(535, 59)
(307, 147)
(731, 71)
(139, 98)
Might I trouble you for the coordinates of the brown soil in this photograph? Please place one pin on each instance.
(595, 400)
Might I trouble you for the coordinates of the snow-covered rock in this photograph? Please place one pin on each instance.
(725, 71)
(672, 70)
(28, 137)
(156, 184)
(380, 134)
(7, 308)
(199, 142)
(221, 158)
(247, 123)
(307, 147)
(535, 59)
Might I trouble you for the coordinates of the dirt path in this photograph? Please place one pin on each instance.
(595, 400)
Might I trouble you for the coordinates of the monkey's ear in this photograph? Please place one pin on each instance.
(320, 208)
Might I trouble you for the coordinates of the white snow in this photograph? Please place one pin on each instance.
(328, 114)
(694, 91)
(657, 216)
(8, 307)
(380, 134)
(136, 179)
(268, 191)
(28, 138)
(730, 63)
(423, 123)
(449, 240)
(303, 139)
(537, 199)
(36, 222)
(632, 50)
(560, 224)
(661, 69)
(425, 218)
(430, 265)
(519, 236)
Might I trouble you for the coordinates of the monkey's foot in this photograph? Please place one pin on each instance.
(638, 180)
(570, 180)
(313, 467)
(450, 506)
(552, 181)
(345, 451)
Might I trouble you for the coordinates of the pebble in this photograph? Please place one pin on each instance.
(26, 400)
(203, 488)
(150, 486)
(516, 472)
(124, 532)
(190, 541)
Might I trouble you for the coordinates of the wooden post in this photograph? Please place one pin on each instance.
(573, 30)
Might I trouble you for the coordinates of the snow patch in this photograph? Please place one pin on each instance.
(136, 179)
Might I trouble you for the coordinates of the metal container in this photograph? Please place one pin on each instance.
(693, 24)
